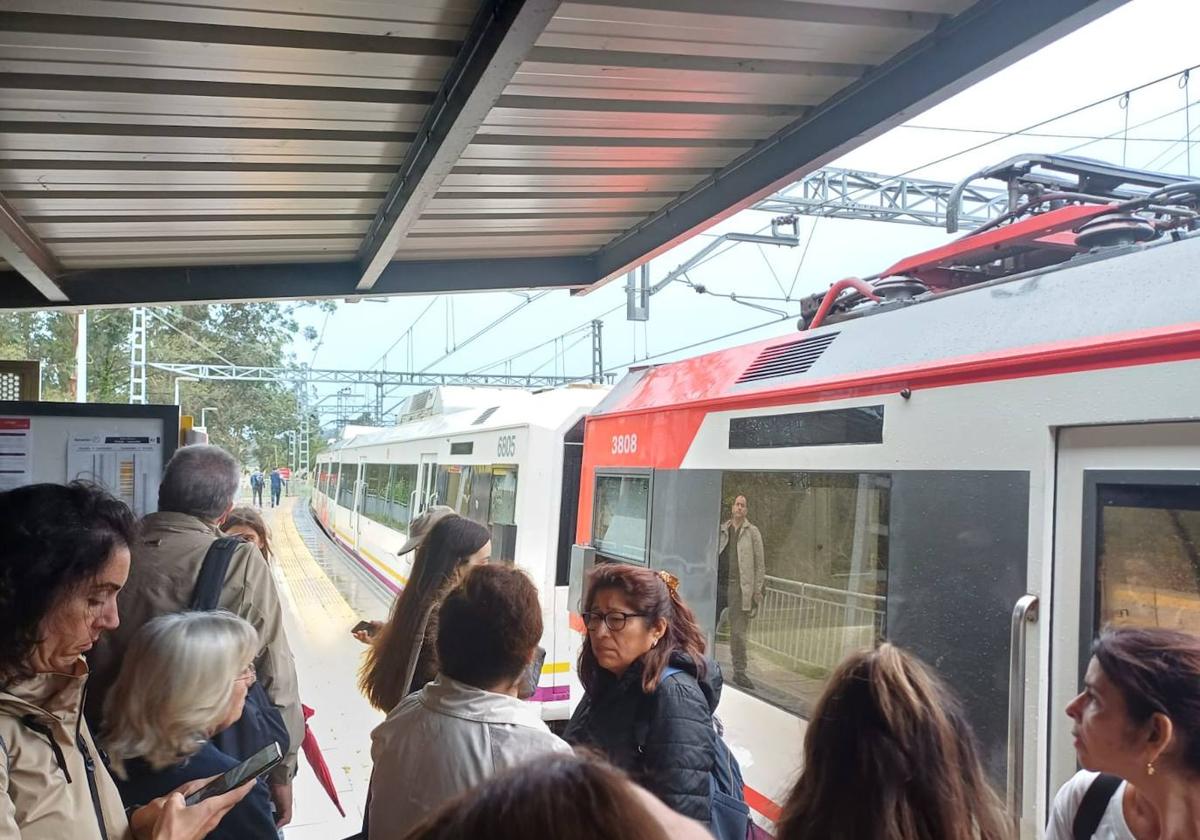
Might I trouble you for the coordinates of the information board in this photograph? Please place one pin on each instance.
(122, 447)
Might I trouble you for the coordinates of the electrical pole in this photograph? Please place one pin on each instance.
(137, 358)
(597, 352)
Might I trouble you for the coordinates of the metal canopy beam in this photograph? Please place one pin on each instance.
(214, 284)
(382, 378)
(20, 246)
(500, 38)
(986, 37)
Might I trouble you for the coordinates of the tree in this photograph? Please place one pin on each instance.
(249, 417)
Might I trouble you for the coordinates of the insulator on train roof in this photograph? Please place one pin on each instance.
(899, 288)
(1114, 230)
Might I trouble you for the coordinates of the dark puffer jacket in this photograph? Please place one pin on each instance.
(664, 740)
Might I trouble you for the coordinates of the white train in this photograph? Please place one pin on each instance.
(507, 459)
(1001, 459)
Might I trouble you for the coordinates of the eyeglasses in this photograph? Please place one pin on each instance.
(614, 621)
(249, 675)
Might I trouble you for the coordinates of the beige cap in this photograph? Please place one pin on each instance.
(420, 527)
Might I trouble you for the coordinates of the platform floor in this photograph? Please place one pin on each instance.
(322, 599)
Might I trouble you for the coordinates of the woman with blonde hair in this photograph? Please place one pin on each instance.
(889, 755)
(183, 680)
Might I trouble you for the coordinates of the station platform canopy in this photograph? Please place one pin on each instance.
(159, 151)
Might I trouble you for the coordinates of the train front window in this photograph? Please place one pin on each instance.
(1148, 555)
(801, 578)
(620, 524)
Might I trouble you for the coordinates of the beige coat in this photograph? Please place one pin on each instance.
(162, 576)
(45, 793)
(443, 740)
(752, 561)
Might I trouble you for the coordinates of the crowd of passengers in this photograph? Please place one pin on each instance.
(138, 661)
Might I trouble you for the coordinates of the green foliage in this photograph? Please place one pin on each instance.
(250, 417)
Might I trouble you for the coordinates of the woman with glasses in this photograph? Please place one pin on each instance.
(650, 693)
(183, 680)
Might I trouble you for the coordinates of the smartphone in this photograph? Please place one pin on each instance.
(533, 675)
(235, 777)
(364, 627)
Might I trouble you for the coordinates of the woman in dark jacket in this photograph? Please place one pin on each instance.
(650, 692)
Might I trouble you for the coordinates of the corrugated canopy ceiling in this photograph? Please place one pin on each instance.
(178, 151)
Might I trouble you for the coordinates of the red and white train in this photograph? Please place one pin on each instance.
(1002, 458)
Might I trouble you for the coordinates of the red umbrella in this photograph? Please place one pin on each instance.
(312, 751)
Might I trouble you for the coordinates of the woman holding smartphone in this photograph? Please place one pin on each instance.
(183, 680)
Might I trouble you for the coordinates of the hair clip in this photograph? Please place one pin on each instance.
(670, 580)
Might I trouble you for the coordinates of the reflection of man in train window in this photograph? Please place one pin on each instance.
(741, 581)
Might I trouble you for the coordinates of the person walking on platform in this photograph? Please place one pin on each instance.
(276, 486)
(742, 568)
(888, 753)
(65, 558)
(650, 693)
(197, 492)
(469, 723)
(256, 486)
(403, 656)
(185, 679)
(1137, 737)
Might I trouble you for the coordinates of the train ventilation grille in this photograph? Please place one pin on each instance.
(789, 359)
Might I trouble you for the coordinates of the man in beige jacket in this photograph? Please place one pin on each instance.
(197, 492)
(742, 562)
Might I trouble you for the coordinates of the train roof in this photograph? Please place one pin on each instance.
(485, 409)
(1109, 308)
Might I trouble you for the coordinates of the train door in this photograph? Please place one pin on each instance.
(425, 495)
(1126, 550)
(356, 511)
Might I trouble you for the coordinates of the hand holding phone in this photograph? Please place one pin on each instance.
(235, 777)
(365, 631)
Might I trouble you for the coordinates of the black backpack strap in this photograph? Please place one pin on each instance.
(207, 593)
(1092, 808)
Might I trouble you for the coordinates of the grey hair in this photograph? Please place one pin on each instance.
(175, 686)
(201, 481)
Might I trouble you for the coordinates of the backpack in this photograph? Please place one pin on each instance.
(260, 723)
(1094, 804)
(729, 816)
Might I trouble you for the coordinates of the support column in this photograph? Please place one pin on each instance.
(81, 341)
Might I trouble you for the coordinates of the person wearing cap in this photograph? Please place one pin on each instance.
(403, 657)
(418, 529)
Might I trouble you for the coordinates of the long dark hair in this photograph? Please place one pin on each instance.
(539, 799)
(248, 517)
(889, 755)
(436, 569)
(1157, 671)
(55, 539)
(648, 593)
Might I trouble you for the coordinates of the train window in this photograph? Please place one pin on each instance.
(504, 496)
(454, 487)
(345, 496)
(621, 519)
(801, 578)
(388, 493)
(1148, 555)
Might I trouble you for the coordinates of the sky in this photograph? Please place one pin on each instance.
(1135, 44)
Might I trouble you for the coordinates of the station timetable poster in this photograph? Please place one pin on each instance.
(128, 465)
